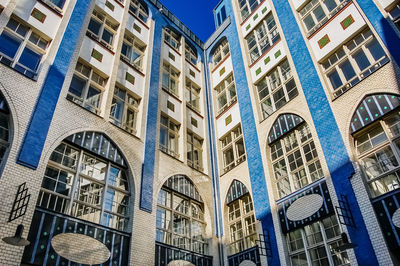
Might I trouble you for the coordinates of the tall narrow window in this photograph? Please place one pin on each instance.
(133, 51)
(194, 151)
(241, 219)
(86, 88)
(4, 128)
(226, 94)
(262, 38)
(22, 48)
(169, 136)
(395, 15)
(80, 181)
(124, 109)
(102, 28)
(190, 54)
(172, 38)
(233, 152)
(220, 52)
(192, 95)
(276, 89)
(294, 157)
(180, 215)
(247, 6)
(139, 10)
(353, 62)
(170, 79)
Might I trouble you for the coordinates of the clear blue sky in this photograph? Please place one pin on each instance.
(197, 15)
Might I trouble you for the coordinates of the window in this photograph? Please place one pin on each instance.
(220, 52)
(169, 136)
(4, 128)
(180, 215)
(86, 88)
(295, 161)
(247, 6)
(102, 29)
(86, 186)
(192, 95)
(353, 62)
(262, 38)
(233, 152)
(317, 240)
(242, 224)
(170, 79)
(378, 151)
(317, 12)
(226, 94)
(194, 151)
(276, 89)
(21, 48)
(132, 51)
(124, 110)
(138, 10)
(395, 15)
(172, 38)
(56, 4)
(190, 54)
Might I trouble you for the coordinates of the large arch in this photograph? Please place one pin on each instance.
(6, 131)
(85, 195)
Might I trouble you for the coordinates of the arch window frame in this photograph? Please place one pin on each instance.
(138, 10)
(294, 161)
(5, 131)
(86, 186)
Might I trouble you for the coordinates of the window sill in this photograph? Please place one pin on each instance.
(92, 37)
(194, 110)
(252, 13)
(83, 107)
(27, 73)
(52, 7)
(138, 19)
(193, 65)
(220, 63)
(266, 118)
(170, 155)
(135, 68)
(173, 48)
(223, 111)
(172, 95)
(133, 134)
(266, 52)
(300, 190)
(234, 165)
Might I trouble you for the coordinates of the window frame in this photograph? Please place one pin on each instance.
(173, 75)
(230, 141)
(106, 23)
(194, 143)
(133, 45)
(221, 52)
(192, 92)
(172, 38)
(250, 8)
(172, 130)
(223, 89)
(138, 10)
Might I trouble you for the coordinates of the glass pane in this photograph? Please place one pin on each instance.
(361, 59)
(94, 26)
(30, 59)
(375, 49)
(8, 44)
(77, 86)
(347, 70)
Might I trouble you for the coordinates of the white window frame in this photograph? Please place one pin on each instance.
(106, 24)
(135, 46)
(192, 95)
(196, 144)
(220, 53)
(225, 89)
(244, 5)
(137, 9)
(231, 141)
(168, 72)
(171, 38)
(172, 130)
(130, 104)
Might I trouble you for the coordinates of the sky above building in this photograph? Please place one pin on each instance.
(197, 15)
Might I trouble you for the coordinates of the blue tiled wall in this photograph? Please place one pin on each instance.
(331, 141)
(35, 136)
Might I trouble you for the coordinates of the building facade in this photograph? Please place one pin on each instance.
(126, 140)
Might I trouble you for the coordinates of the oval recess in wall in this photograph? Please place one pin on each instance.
(80, 248)
(396, 218)
(304, 207)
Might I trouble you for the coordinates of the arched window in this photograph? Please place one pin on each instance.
(86, 177)
(180, 215)
(241, 219)
(376, 129)
(220, 52)
(293, 154)
(4, 128)
(139, 9)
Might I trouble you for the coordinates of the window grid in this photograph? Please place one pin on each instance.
(378, 151)
(170, 79)
(395, 15)
(194, 151)
(241, 224)
(169, 136)
(133, 51)
(124, 109)
(22, 48)
(295, 161)
(233, 151)
(314, 244)
(136, 8)
(353, 62)
(102, 28)
(262, 38)
(246, 7)
(86, 88)
(190, 55)
(221, 52)
(226, 94)
(4, 131)
(276, 89)
(172, 38)
(85, 187)
(317, 12)
(192, 95)
(180, 221)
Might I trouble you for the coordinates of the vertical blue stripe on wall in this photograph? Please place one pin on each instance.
(331, 141)
(35, 136)
(382, 27)
(256, 169)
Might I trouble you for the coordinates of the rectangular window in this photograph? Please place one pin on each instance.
(21, 48)
(132, 51)
(246, 7)
(170, 79)
(395, 15)
(124, 109)
(318, 12)
(102, 28)
(353, 62)
(226, 94)
(190, 55)
(172, 38)
(233, 151)
(169, 136)
(220, 52)
(86, 88)
(138, 10)
(58, 5)
(192, 95)
(194, 151)
(276, 89)
(262, 38)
